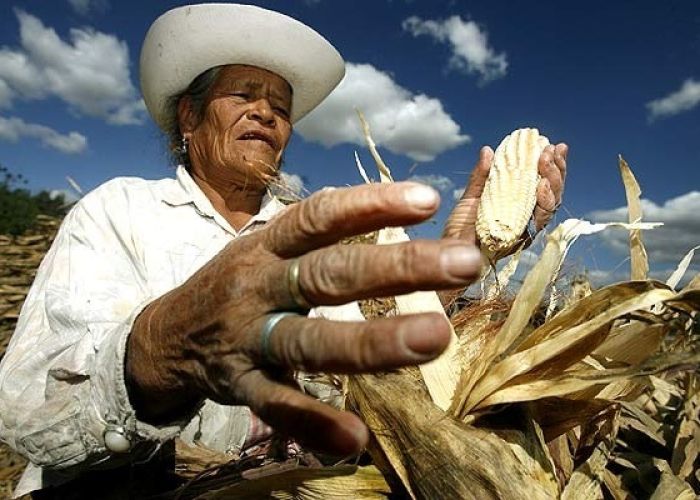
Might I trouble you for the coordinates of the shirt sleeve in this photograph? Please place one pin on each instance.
(62, 379)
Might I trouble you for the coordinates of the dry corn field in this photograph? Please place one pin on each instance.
(596, 396)
(19, 258)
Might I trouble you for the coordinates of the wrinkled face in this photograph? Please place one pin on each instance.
(245, 127)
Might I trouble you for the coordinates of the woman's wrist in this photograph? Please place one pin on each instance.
(158, 385)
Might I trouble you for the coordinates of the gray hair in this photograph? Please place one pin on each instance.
(198, 91)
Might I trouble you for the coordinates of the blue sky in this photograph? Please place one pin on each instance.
(447, 77)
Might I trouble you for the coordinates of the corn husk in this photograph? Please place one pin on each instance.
(441, 374)
(639, 262)
(447, 458)
(539, 386)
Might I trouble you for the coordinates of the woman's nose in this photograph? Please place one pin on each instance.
(261, 111)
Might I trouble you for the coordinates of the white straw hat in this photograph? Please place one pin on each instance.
(186, 41)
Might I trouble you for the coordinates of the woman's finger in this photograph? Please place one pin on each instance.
(340, 274)
(561, 153)
(313, 424)
(480, 174)
(549, 170)
(314, 345)
(460, 223)
(546, 204)
(330, 215)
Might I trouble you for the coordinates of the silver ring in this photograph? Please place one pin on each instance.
(294, 288)
(266, 333)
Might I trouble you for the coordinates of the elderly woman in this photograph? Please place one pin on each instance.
(175, 307)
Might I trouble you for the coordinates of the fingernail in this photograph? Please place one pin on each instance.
(421, 196)
(424, 342)
(461, 261)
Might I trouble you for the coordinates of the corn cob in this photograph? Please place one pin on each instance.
(510, 193)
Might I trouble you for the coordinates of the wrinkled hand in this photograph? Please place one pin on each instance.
(203, 339)
(552, 168)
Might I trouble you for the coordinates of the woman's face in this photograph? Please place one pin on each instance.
(244, 129)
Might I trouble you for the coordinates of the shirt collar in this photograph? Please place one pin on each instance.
(184, 190)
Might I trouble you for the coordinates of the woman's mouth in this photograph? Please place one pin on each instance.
(257, 135)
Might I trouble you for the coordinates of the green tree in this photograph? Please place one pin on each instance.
(19, 208)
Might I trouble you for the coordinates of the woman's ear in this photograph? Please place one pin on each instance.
(186, 119)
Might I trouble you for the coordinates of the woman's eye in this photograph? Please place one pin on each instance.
(282, 111)
(240, 95)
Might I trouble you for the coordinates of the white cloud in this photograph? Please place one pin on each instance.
(68, 196)
(90, 72)
(600, 278)
(667, 244)
(469, 43)
(414, 125)
(85, 7)
(13, 129)
(439, 182)
(5, 95)
(288, 186)
(683, 99)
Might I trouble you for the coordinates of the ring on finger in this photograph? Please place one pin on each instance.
(266, 333)
(294, 288)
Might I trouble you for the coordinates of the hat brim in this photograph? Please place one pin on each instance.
(186, 41)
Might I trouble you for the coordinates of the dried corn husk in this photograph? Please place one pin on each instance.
(577, 367)
(639, 262)
(441, 374)
(447, 459)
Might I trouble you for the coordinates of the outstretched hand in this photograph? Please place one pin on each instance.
(461, 223)
(204, 339)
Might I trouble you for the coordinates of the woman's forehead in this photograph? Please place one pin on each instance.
(252, 76)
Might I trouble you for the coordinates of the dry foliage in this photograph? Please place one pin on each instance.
(20, 257)
(593, 397)
(599, 401)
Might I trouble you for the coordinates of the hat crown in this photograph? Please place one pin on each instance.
(186, 41)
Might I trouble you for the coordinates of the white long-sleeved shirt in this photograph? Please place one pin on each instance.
(62, 388)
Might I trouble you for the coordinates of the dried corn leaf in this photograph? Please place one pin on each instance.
(632, 342)
(664, 392)
(473, 338)
(687, 300)
(341, 482)
(363, 172)
(671, 487)
(526, 302)
(638, 254)
(591, 306)
(559, 352)
(557, 416)
(678, 274)
(686, 448)
(443, 458)
(694, 283)
(441, 374)
(579, 380)
(614, 486)
(561, 454)
(503, 276)
(384, 172)
(634, 418)
(597, 435)
(586, 480)
(191, 461)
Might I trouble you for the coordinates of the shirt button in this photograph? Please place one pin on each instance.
(115, 439)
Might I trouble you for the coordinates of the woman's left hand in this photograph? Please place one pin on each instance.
(552, 168)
